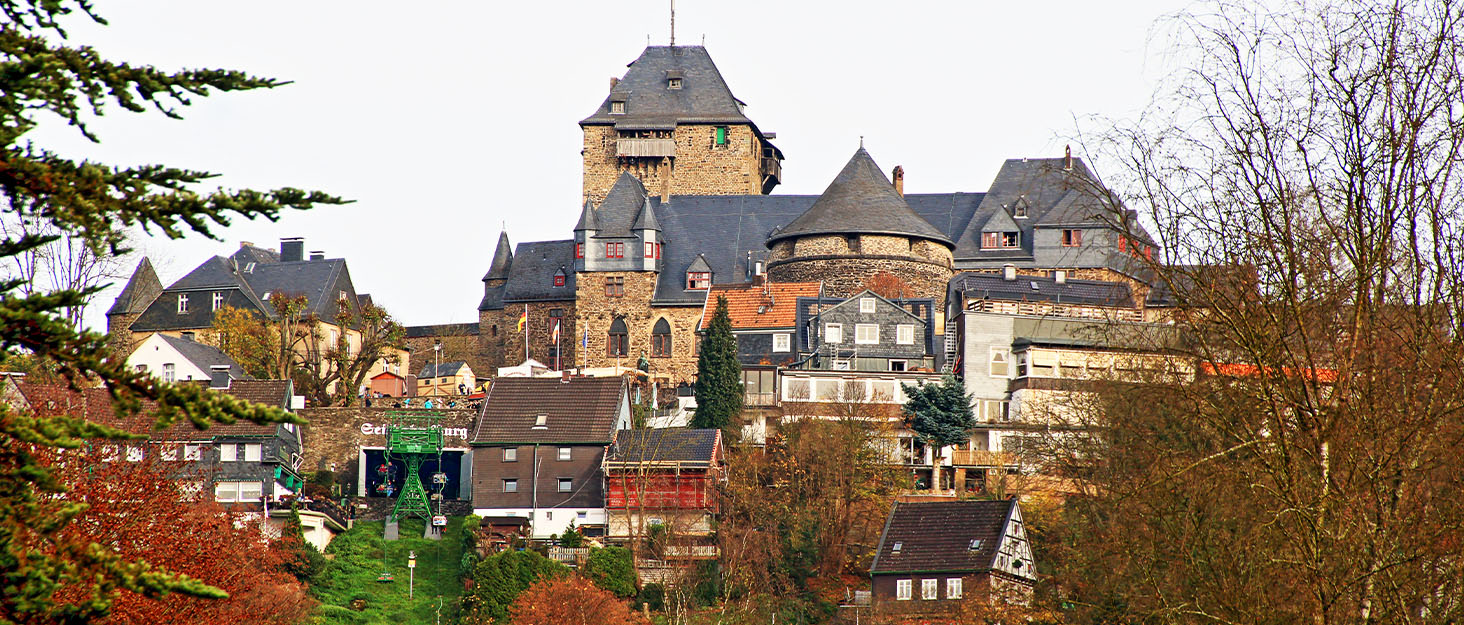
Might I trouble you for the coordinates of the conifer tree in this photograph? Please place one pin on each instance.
(718, 374)
(940, 413)
(46, 75)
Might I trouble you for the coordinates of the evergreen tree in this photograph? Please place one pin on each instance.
(45, 74)
(718, 374)
(940, 413)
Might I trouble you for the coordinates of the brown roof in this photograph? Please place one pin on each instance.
(936, 536)
(778, 303)
(95, 404)
(579, 410)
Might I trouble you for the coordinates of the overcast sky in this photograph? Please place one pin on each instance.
(446, 120)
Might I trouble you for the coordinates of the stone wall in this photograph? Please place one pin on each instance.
(502, 343)
(845, 276)
(700, 167)
(596, 312)
(336, 435)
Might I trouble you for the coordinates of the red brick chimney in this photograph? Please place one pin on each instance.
(613, 82)
(899, 176)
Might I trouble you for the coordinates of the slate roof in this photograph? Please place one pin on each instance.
(687, 446)
(1055, 196)
(778, 303)
(621, 210)
(580, 410)
(531, 277)
(502, 259)
(936, 536)
(860, 200)
(703, 97)
(441, 370)
(492, 298)
(140, 288)
(203, 356)
(1086, 292)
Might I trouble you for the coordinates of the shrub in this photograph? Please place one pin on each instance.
(612, 569)
(652, 596)
(498, 580)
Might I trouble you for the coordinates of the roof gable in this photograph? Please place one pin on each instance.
(577, 410)
(860, 200)
(619, 212)
(954, 536)
(880, 302)
(140, 290)
(756, 306)
(1000, 221)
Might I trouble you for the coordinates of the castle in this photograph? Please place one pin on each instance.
(676, 192)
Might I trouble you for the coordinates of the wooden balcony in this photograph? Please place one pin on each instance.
(637, 147)
(772, 173)
(964, 458)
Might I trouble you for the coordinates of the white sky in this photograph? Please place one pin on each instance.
(444, 120)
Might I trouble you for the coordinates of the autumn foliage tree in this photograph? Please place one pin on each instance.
(148, 510)
(571, 600)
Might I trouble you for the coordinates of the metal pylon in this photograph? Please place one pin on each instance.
(413, 500)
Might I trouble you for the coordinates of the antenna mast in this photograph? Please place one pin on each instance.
(673, 23)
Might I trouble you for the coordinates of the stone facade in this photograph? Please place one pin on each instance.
(596, 312)
(845, 275)
(502, 343)
(700, 167)
(336, 435)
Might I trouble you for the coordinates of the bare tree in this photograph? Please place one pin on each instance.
(1304, 181)
(64, 262)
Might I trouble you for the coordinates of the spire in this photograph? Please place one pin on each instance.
(646, 220)
(587, 218)
(142, 288)
(502, 259)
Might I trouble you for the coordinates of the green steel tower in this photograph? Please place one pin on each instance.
(413, 439)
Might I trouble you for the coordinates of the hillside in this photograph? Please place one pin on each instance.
(351, 576)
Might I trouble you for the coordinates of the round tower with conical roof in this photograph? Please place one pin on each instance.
(858, 228)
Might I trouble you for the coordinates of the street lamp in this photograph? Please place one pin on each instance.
(436, 363)
(411, 573)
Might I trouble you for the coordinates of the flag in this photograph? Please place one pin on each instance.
(585, 342)
(523, 318)
(556, 332)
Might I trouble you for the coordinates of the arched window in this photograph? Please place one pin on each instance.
(661, 340)
(617, 341)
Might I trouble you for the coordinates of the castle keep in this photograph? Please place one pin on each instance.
(676, 199)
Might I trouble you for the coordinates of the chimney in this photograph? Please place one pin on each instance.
(244, 244)
(564, 375)
(1059, 276)
(219, 377)
(670, 170)
(317, 255)
(899, 177)
(613, 82)
(1067, 157)
(1009, 272)
(292, 249)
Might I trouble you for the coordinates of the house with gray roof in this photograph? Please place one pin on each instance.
(934, 554)
(177, 359)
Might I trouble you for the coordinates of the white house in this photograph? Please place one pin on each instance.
(176, 359)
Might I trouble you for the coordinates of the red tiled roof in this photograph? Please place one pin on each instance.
(579, 410)
(778, 302)
(95, 404)
(1239, 370)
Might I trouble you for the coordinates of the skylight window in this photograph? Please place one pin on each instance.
(541, 422)
(897, 547)
(975, 544)
(673, 83)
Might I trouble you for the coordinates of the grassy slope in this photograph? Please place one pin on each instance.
(358, 561)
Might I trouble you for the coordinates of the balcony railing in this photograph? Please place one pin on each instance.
(645, 147)
(690, 551)
(759, 399)
(772, 167)
(965, 458)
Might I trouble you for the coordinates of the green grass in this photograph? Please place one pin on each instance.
(358, 561)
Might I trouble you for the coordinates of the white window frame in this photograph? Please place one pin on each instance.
(866, 305)
(192, 452)
(859, 331)
(617, 108)
(905, 334)
(565, 453)
(840, 365)
(510, 485)
(1002, 355)
(169, 453)
(566, 484)
(135, 453)
(953, 588)
(782, 342)
(182, 303)
(510, 454)
(904, 364)
(218, 300)
(170, 372)
(929, 589)
(228, 452)
(833, 333)
(903, 589)
(253, 452)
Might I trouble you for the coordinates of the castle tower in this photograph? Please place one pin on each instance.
(142, 288)
(860, 227)
(673, 117)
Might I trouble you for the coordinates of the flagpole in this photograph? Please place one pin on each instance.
(526, 332)
(558, 359)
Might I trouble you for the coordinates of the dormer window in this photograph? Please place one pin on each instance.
(698, 280)
(1019, 208)
(559, 278)
(673, 83)
(617, 103)
(1000, 240)
(541, 422)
